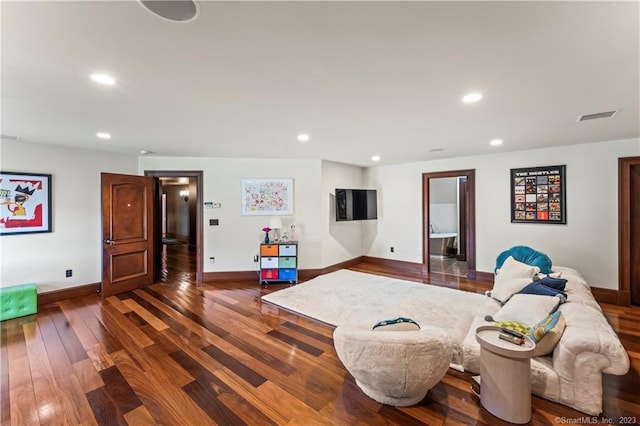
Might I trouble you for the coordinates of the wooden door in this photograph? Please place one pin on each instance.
(127, 232)
(629, 230)
(463, 218)
(634, 225)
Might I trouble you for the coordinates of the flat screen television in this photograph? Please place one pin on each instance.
(356, 204)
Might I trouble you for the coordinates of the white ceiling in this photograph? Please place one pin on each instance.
(362, 78)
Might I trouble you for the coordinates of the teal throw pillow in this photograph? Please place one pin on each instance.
(526, 255)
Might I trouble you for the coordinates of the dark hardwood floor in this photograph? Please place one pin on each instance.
(180, 355)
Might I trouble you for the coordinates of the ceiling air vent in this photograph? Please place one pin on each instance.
(597, 115)
(10, 138)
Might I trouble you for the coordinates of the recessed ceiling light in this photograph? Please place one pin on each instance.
(303, 137)
(471, 97)
(375, 158)
(103, 79)
(496, 142)
(103, 135)
(145, 152)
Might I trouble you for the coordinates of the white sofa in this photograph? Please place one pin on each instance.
(589, 347)
(571, 375)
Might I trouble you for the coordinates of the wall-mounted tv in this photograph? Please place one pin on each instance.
(356, 204)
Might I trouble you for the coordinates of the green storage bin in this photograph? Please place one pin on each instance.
(287, 262)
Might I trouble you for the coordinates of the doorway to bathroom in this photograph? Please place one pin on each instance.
(449, 223)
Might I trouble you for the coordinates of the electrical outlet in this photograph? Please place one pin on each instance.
(392, 249)
(255, 258)
(212, 260)
(68, 273)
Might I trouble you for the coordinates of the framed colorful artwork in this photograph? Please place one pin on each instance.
(25, 203)
(267, 197)
(538, 195)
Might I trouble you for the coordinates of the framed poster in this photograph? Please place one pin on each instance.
(25, 203)
(267, 197)
(538, 195)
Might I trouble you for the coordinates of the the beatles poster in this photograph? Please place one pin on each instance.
(538, 195)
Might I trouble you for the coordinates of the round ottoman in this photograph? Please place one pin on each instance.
(394, 367)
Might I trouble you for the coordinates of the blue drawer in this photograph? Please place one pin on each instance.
(287, 274)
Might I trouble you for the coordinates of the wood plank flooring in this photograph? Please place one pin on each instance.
(175, 354)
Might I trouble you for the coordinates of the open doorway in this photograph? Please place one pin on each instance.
(449, 223)
(178, 226)
(629, 230)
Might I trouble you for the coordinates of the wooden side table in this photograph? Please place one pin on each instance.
(505, 371)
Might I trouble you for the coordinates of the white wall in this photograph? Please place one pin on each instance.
(177, 211)
(321, 241)
(443, 204)
(75, 242)
(588, 242)
(236, 240)
(342, 240)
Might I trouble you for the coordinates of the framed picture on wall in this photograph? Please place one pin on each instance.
(25, 203)
(267, 197)
(538, 195)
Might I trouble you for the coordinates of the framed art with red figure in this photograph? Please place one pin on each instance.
(25, 203)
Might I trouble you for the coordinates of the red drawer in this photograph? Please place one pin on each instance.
(269, 274)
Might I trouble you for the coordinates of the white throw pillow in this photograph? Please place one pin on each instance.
(527, 309)
(511, 278)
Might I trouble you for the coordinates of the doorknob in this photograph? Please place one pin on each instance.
(108, 241)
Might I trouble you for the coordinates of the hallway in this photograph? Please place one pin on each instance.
(178, 264)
